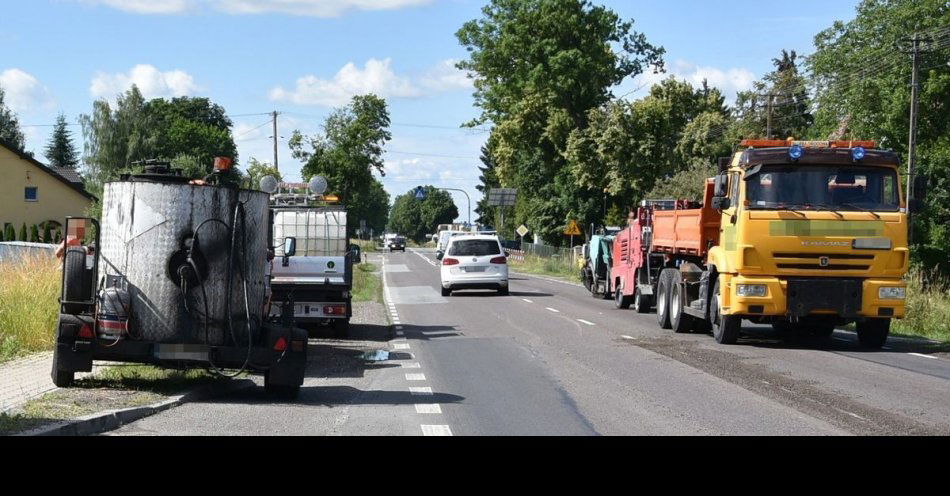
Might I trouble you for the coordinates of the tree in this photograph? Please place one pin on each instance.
(348, 152)
(539, 66)
(10, 131)
(47, 232)
(488, 180)
(861, 81)
(415, 218)
(23, 232)
(373, 207)
(256, 170)
(790, 103)
(60, 151)
(9, 232)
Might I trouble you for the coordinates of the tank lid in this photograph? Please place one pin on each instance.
(156, 171)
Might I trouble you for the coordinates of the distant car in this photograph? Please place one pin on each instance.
(397, 243)
(474, 262)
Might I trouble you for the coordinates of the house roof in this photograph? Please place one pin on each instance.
(68, 177)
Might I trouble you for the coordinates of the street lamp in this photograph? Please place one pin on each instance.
(420, 194)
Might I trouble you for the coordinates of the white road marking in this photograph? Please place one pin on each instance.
(400, 333)
(401, 346)
(415, 377)
(924, 356)
(414, 365)
(432, 409)
(420, 391)
(527, 300)
(398, 328)
(554, 310)
(631, 338)
(582, 321)
(436, 430)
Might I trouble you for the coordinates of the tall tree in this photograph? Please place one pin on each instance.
(783, 94)
(10, 126)
(348, 152)
(488, 179)
(60, 151)
(415, 218)
(539, 67)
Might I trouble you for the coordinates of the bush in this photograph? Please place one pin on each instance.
(23, 232)
(35, 234)
(28, 305)
(928, 306)
(47, 233)
(9, 232)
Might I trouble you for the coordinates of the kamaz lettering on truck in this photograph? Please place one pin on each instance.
(805, 236)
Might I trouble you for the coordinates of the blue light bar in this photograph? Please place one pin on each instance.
(796, 152)
(858, 153)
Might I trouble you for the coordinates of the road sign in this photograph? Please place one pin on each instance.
(572, 229)
(522, 231)
(420, 193)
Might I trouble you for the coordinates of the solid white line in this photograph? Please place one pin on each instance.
(554, 310)
(420, 391)
(527, 300)
(415, 377)
(436, 430)
(924, 356)
(582, 321)
(414, 365)
(401, 346)
(429, 409)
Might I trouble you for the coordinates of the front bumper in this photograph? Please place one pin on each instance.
(851, 298)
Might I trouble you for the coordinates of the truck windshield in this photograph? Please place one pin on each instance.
(823, 188)
(475, 248)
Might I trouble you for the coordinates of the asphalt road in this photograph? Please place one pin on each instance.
(551, 360)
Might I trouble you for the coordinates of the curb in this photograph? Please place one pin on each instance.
(97, 423)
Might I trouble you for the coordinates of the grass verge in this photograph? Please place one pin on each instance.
(367, 285)
(112, 388)
(928, 307)
(29, 305)
(547, 266)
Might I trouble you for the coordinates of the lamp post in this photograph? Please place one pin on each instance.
(467, 198)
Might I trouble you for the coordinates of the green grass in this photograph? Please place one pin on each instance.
(367, 286)
(365, 246)
(928, 307)
(117, 387)
(29, 305)
(547, 266)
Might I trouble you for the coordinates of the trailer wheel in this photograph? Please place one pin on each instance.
(680, 322)
(663, 299)
(621, 301)
(872, 333)
(75, 286)
(726, 328)
(641, 303)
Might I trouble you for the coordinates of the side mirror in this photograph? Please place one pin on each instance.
(721, 203)
(721, 185)
(439, 255)
(290, 247)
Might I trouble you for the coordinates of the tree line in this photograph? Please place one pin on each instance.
(545, 73)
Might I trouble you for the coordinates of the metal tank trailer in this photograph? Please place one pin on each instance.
(177, 277)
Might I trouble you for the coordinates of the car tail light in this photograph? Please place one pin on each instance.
(450, 261)
(499, 260)
(281, 344)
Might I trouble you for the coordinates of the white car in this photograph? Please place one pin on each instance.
(474, 262)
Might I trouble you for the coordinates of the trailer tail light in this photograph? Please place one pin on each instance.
(334, 310)
(85, 332)
(450, 261)
(280, 345)
(500, 260)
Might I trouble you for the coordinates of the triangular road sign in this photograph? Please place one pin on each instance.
(572, 229)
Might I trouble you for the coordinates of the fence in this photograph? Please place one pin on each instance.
(16, 250)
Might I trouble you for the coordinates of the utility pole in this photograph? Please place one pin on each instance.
(915, 51)
(275, 114)
(768, 128)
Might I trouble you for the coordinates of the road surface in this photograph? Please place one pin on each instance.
(552, 360)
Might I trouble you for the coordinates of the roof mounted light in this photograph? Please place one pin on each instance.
(858, 154)
(269, 184)
(318, 185)
(796, 152)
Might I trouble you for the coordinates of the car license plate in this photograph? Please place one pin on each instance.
(474, 269)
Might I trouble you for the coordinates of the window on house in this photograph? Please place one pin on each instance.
(31, 194)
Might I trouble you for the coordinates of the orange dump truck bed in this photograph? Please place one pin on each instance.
(687, 231)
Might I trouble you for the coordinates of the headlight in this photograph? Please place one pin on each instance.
(892, 293)
(752, 290)
(872, 244)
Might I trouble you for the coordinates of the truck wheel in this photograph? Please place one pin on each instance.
(872, 333)
(726, 328)
(61, 378)
(280, 391)
(642, 303)
(621, 301)
(663, 299)
(680, 322)
(75, 287)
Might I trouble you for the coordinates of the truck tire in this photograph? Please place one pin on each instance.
(75, 286)
(621, 301)
(726, 328)
(642, 303)
(280, 391)
(679, 321)
(663, 299)
(872, 333)
(61, 378)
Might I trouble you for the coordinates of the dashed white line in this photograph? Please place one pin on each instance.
(436, 430)
(415, 377)
(430, 409)
(629, 338)
(401, 346)
(413, 365)
(553, 310)
(924, 356)
(582, 321)
(527, 300)
(420, 391)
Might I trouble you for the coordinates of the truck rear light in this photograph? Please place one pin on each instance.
(281, 344)
(85, 332)
(334, 310)
(450, 261)
(500, 260)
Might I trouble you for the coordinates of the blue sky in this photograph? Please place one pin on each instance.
(303, 57)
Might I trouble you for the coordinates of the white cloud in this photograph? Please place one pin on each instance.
(311, 8)
(446, 77)
(729, 81)
(152, 82)
(376, 77)
(24, 93)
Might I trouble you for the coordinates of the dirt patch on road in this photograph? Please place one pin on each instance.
(803, 396)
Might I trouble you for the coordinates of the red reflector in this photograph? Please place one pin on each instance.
(450, 261)
(334, 310)
(85, 332)
(499, 260)
(281, 344)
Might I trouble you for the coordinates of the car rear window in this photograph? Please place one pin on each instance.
(475, 248)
